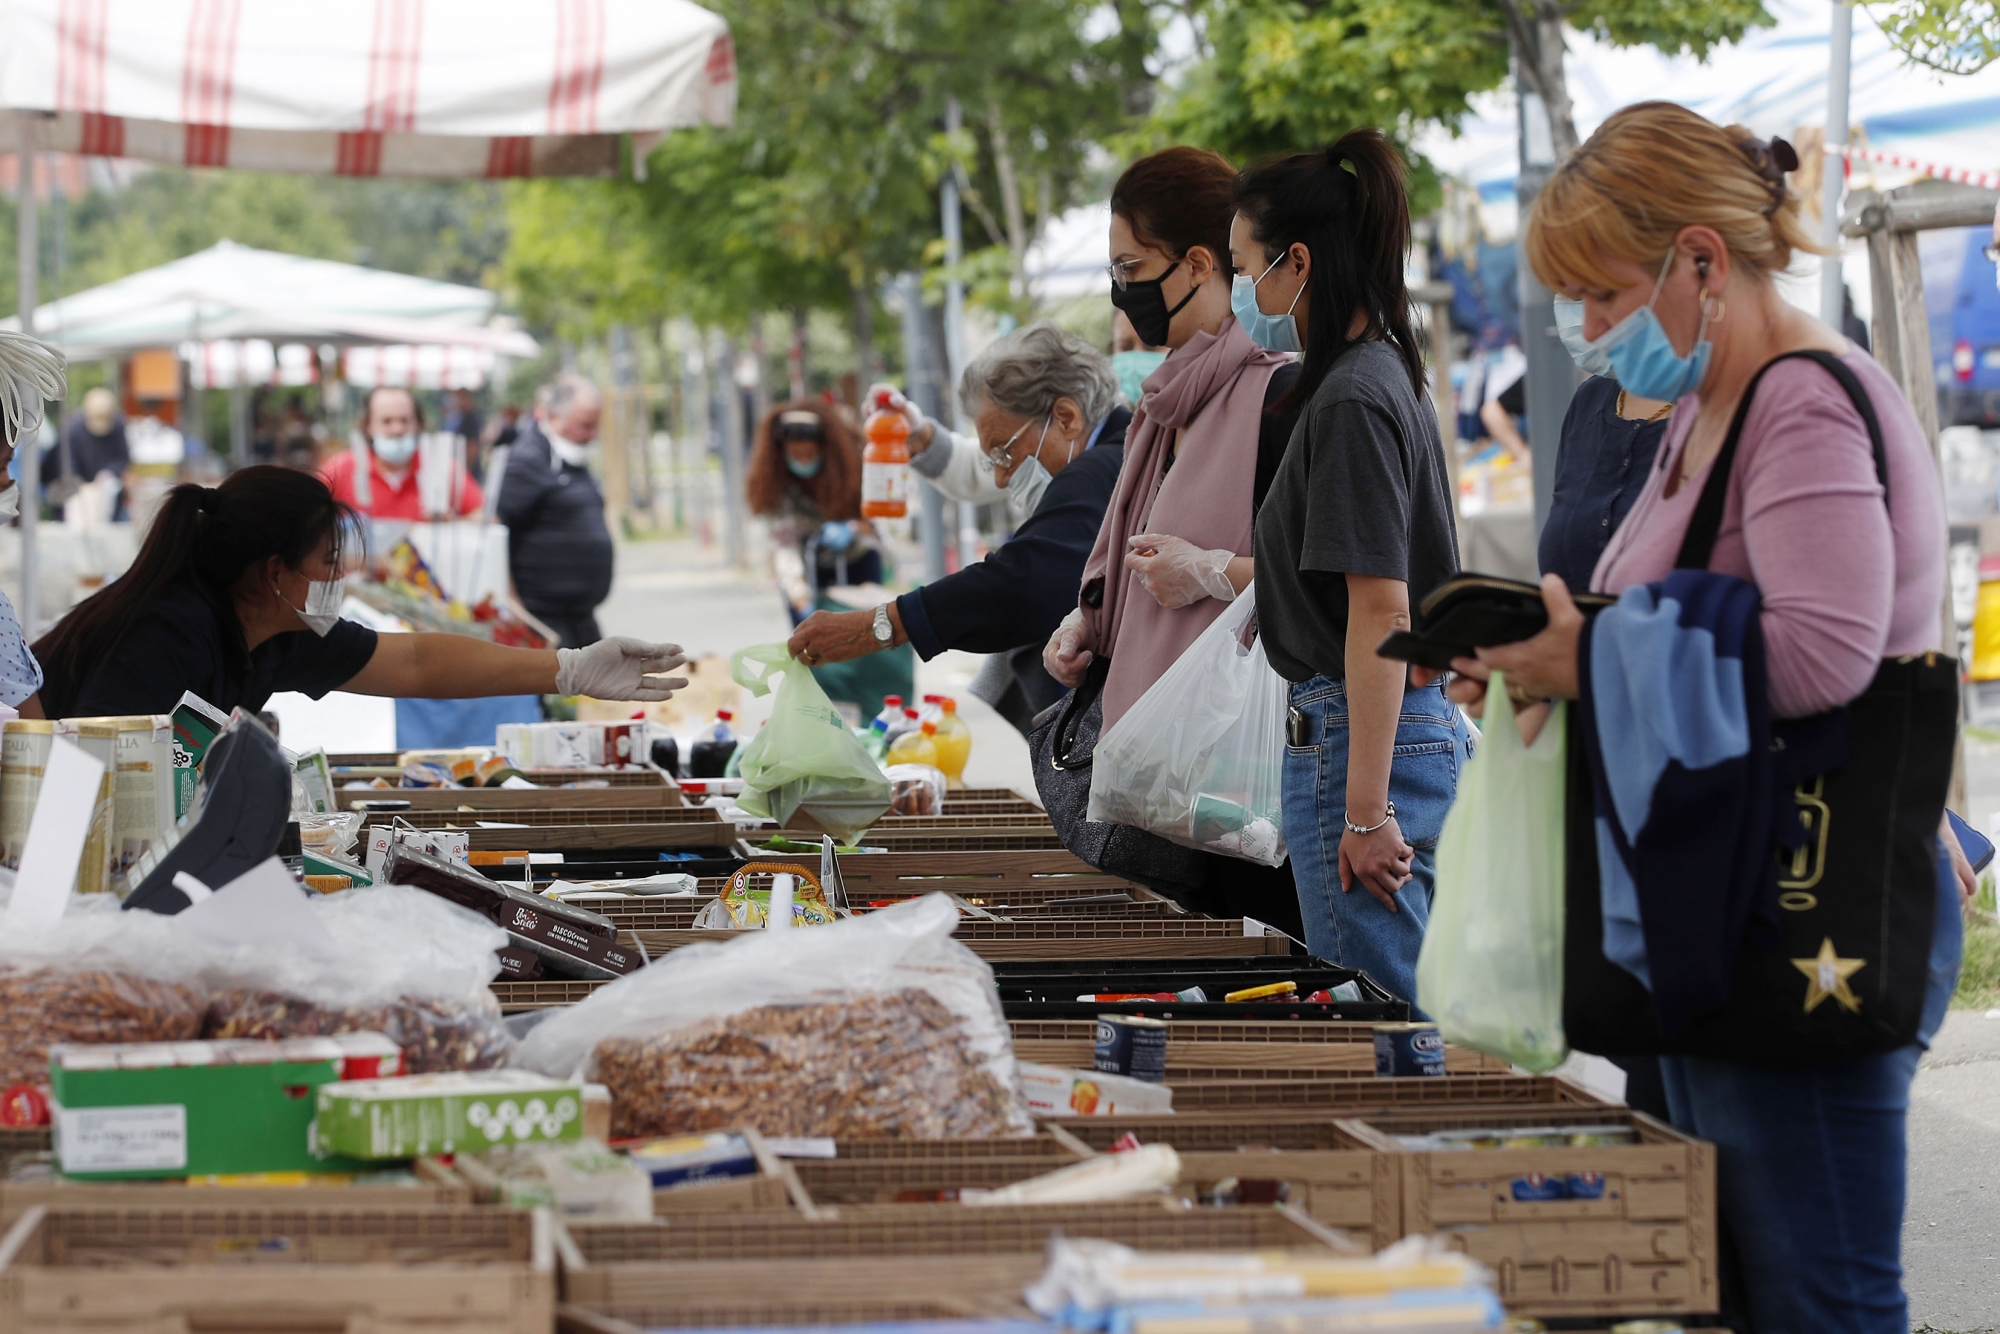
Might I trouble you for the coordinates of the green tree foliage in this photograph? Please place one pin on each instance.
(1290, 74)
(1954, 36)
(829, 179)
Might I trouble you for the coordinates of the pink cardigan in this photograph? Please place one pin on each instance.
(1845, 580)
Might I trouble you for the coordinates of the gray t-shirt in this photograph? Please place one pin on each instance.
(1363, 489)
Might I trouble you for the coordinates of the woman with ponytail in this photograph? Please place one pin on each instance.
(1357, 528)
(236, 593)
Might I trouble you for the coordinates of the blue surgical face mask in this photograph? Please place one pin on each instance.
(1590, 358)
(1280, 333)
(395, 450)
(1132, 367)
(1642, 358)
(803, 471)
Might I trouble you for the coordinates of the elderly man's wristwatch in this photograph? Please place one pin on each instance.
(885, 633)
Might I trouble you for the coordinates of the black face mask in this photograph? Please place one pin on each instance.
(1145, 304)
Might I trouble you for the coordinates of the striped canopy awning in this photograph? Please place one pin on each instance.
(443, 88)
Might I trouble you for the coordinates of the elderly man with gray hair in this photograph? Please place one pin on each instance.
(558, 546)
(1044, 403)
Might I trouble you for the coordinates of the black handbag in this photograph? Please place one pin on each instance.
(1061, 746)
(1857, 901)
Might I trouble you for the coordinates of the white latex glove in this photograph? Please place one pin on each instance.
(620, 668)
(911, 413)
(1177, 572)
(1065, 657)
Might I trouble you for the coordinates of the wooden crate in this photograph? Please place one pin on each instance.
(424, 800)
(638, 913)
(540, 818)
(890, 1262)
(1646, 1247)
(1334, 1095)
(447, 1271)
(437, 1186)
(993, 941)
(955, 819)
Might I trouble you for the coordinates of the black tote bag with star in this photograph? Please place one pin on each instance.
(1857, 902)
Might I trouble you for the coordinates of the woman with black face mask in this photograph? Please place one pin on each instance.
(1175, 546)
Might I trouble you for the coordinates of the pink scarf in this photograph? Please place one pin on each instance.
(1211, 389)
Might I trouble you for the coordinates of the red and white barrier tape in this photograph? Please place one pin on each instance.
(1938, 170)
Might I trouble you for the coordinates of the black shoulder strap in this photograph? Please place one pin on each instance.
(1706, 524)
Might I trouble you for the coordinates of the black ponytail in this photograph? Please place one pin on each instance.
(204, 537)
(1349, 206)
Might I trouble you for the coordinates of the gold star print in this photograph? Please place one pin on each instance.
(1827, 974)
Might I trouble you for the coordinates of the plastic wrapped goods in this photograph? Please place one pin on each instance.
(403, 963)
(881, 1025)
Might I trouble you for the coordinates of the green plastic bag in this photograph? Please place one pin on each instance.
(804, 769)
(1491, 969)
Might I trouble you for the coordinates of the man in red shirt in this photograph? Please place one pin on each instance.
(392, 487)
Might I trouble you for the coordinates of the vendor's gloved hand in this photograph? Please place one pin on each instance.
(920, 439)
(1065, 657)
(1177, 572)
(620, 668)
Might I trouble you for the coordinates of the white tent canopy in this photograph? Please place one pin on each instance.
(232, 291)
(457, 88)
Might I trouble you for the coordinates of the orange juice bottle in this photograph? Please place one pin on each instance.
(885, 463)
(953, 742)
(919, 747)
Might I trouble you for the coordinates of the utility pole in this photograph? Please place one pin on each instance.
(954, 323)
(728, 415)
(1840, 47)
(1551, 375)
(28, 452)
(922, 381)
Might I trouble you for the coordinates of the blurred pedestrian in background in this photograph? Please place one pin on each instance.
(382, 474)
(93, 445)
(805, 481)
(558, 547)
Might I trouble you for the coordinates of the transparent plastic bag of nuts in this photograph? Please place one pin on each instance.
(96, 975)
(404, 963)
(877, 1025)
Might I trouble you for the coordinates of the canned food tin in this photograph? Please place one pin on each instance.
(24, 758)
(1132, 1045)
(1408, 1049)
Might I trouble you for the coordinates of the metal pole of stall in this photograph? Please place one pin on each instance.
(722, 370)
(1840, 47)
(1551, 375)
(921, 379)
(28, 254)
(954, 324)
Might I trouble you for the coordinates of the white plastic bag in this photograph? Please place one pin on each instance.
(879, 1025)
(1199, 758)
(1491, 969)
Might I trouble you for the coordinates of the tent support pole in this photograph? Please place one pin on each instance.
(1832, 290)
(28, 253)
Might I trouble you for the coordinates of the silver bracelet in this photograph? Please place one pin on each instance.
(1354, 828)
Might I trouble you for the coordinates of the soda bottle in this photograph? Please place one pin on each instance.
(954, 742)
(885, 463)
(918, 747)
(933, 709)
(903, 726)
(892, 709)
(709, 756)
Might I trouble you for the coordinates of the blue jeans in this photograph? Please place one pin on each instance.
(1810, 1166)
(1354, 930)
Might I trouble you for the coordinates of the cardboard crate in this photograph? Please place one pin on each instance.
(437, 1186)
(893, 1262)
(957, 818)
(541, 816)
(446, 1271)
(1647, 1246)
(1334, 1095)
(639, 913)
(994, 941)
(961, 838)
(504, 803)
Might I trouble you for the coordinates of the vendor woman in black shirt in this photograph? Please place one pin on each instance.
(1356, 530)
(236, 594)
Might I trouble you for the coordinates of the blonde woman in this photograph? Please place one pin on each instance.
(1669, 229)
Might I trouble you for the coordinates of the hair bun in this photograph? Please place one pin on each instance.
(1772, 160)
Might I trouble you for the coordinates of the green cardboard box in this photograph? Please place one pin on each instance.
(191, 1109)
(448, 1113)
(197, 724)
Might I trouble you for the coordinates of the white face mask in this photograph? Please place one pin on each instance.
(322, 607)
(395, 451)
(10, 502)
(1030, 479)
(575, 453)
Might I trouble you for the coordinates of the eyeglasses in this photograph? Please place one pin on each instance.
(1002, 456)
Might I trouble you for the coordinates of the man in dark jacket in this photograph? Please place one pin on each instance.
(1043, 403)
(559, 548)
